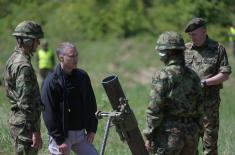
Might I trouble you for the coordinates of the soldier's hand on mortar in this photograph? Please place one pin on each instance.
(90, 137)
(37, 140)
(147, 145)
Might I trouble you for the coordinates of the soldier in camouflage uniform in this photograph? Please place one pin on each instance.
(174, 111)
(22, 90)
(209, 60)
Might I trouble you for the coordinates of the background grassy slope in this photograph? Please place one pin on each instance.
(134, 61)
(117, 37)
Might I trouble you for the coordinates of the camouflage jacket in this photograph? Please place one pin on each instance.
(22, 91)
(176, 93)
(207, 61)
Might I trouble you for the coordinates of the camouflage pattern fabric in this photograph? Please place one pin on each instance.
(28, 29)
(175, 110)
(23, 93)
(170, 40)
(21, 147)
(207, 61)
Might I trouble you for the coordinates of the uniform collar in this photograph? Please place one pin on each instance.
(27, 55)
(176, 61)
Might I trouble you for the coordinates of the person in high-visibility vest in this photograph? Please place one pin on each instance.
(232, 37)
(46, 60)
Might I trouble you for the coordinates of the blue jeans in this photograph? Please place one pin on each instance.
(76, 141)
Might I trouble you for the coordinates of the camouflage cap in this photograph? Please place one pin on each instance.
(28, 29)
(170, 41)
(194, 24)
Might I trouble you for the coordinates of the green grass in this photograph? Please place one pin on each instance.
(134, 61)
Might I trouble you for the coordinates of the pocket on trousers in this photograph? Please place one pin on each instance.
(175, 138)
(14, 131)
(23, 133)
(188, 60)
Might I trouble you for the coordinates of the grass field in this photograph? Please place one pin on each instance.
(134, 61)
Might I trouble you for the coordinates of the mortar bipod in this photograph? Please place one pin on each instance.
(110, 115)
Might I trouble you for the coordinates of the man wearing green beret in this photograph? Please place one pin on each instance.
(209, 60)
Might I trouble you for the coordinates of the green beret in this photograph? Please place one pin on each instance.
(194, 24)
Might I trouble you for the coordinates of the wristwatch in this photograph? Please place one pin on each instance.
(203, 83)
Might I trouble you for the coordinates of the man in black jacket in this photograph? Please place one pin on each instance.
(70, 106)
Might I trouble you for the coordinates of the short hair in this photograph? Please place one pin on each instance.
(62, 47)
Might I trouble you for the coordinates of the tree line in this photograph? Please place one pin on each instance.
(97, 19)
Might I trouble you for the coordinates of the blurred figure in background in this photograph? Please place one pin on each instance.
(46, 60)
(232, 37)
(22, 90)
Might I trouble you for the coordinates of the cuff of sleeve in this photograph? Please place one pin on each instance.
(59, 140)
(33, 127)
(36, 126)
(92, 127)
(91, 130)
(226, 69)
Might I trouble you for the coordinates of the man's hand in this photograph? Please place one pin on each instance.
(90, 137)
(63, 148)
(37, 140)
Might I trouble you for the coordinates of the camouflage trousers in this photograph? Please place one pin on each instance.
(211, 127)
(21, 136)
(179, 140)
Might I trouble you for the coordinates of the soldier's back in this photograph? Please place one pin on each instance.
(183, 92)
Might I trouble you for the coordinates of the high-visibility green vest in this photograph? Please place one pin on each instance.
(232, 34)
(45, 59)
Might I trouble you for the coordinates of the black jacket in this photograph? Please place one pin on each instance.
(54, 99)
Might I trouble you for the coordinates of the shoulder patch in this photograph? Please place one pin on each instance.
(21, 60)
